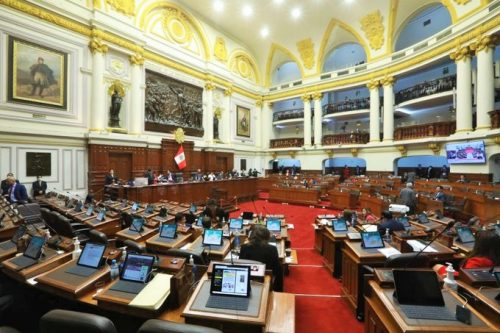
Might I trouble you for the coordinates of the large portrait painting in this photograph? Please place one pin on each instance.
(37, 74)
(171, 104)
(242, 121)
(38, 164)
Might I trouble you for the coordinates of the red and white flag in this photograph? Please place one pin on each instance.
(180, 158)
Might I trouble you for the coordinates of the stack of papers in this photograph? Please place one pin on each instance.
(154, 294)
(388, 251)
(290, 226)
(418, 246)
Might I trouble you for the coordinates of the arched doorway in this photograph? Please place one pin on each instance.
(337, 164)
(418, 166)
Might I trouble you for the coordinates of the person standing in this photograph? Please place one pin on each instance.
(149, 175)
(39, 187)
(429, 172)
(17, 191)
(407, 197)
(110, 178)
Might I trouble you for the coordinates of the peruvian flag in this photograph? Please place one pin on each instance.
(180, 158)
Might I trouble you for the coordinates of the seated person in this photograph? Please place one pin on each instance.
(368, 216)
(439, 196)
(206, 222)
(216, 213)
(388, 222)
(180, 219)
(462, 179)
(259, 249)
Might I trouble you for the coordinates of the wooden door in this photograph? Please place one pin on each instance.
(122, 164)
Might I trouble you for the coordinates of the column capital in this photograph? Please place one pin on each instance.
(228, 91)
(269, 104)
(373, 84)
(259, 103)
(387, 81)
(306, 98)
(317, 96)
(460, 53)
(484, 43)
(137, 58)
(209, 85)
(96, 44)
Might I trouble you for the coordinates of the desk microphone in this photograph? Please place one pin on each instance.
(448, 226)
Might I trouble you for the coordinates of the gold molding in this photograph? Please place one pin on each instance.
(306, 51)
(228, 92)
(403, 150)
(137, 58)
(484, 43)
(354, 152)
(259, 103)
(317, 96)
(462, 2)
(293, 154)
(496, 139)
(373, 84)
(435, 147)
(96, 44)
(373, 27)
(126, 7)
(118, 86)
(388, 81)
(461, 53)
(209, 85)
(243, 64)
(275, 48)
(274, 155)
(306, 98)
(329, 153)
(220, 51)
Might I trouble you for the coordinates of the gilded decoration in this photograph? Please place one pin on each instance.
(96, 44)
(218, 112)
(126, 7)
(118, 87)
(176, 26)
(388, 81)
(484, 43)
(329, 152)
(137, 59)
(403, 150)
(373, 84)
(179, 135)
(242, 65)
(354, 152)
(306, 50)
(306, 98)
(462, 2)
(220, 51)
(317, 96)
(435, 147)
(373, 27)
(259, 103)
(228, 92)
(209, 85)
(460, 53)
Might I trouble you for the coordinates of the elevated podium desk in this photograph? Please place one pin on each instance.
(294, 195)
(384, 315)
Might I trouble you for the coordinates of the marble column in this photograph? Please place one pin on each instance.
(464, 89)
(208, 113)
(98, 112)
(267, 124)
(318, 119)
(388, 84)
(136, 110)
(259, 105)
(485, 98)
(225, 121)
(307, 120)
(373, 86)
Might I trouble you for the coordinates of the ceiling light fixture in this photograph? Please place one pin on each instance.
(264, 32)
(296, 12)
(348, 1)
(247, 11)
(279, 2)
(218, 5)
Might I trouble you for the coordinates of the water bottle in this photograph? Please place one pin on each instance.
(387, 235)
(237, 243)
(77, 250)
(193, 266)
(115, 271)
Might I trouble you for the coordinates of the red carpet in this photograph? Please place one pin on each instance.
(324, 311)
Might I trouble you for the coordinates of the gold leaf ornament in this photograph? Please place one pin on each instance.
(177, 27)
(179, 135)
(220, 51)
(306, 50)
(373, 27)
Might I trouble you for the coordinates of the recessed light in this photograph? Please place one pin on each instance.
(218, 5)
(264, 32)
(296, 13)
(349, 1)
(247, 11)
(279, 2)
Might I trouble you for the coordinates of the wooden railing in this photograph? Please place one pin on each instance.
(428, 88)
(347, 105)
(425, 130)
(288, 114)
(495, 118)
(286, 143)
(347, 138)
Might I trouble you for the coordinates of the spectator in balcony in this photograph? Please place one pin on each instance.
(358, 170)
(462, 179)
(444, 172)
(429, 172)
(346, 172)
(407, 197)
(439, 196)
(419, 170)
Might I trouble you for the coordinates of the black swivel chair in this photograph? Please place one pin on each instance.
(63, 321)
(66, 228)
(199, 258)
(134, 246)
(163, 326)
(6, 329)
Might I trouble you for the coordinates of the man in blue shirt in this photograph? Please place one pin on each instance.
(439, 196)
(17, 191)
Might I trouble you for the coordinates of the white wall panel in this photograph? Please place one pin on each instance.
(5, 161)
(67, 169)
(80, 167)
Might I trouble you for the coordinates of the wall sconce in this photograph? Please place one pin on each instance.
(402, 149)
(354, 152)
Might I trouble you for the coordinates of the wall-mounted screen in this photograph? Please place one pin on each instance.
(466, 152)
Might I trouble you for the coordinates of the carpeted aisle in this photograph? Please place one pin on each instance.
(319, 306)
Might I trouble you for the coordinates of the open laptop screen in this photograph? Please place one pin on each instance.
(137, 267)
(91, 255)
(168, 230)
(465, 235)
(429, 291)
(34, 248)
(422, 218)
(230, 280)
(235, 223)
(273, 225)
(405, 221)
(372, 240)
(339, 225)
(101, 215)
(137, 224)
(90, 210)
(212, 237)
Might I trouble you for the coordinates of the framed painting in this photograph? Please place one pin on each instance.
(38, 164)
(242, 121)
(37, 74)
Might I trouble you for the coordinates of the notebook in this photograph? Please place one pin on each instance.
(168, 231)
(135, 273)
(89, 260)
(371, 240)
(339, 224)
(229, 287)
(212, 237)
(465, 235)
(31, 254)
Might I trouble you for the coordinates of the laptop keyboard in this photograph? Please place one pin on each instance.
(23, 262)
(427, 312)
(7, 245)
(81, 271)
(228, 302)
(128, 287)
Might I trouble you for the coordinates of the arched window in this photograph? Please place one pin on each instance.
(343, 56)
(286, 72)
(424, 24)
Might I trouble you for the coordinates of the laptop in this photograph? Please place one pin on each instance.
(371, 240)
(137, 224)
(134, 274)
(235, 224)
(32, 253)
(90, 210)
(422, 218)
(12, 243)
(149, 209)
(78, 207)
(168, 231)
(247, 217)
(192, 208)
(229, 287)
(212, 237)
(274, 226)
(135, 207)
(339, 224)
(465, 235)
(89, 260)
(428, 302)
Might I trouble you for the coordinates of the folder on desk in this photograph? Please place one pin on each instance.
(154, 294)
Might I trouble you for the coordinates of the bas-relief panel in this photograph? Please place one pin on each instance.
(170, 104)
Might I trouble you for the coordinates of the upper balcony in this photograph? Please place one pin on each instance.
(289, 117)
(347, 109)
(425, 94)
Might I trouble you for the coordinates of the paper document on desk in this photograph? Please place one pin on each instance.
(324, 222)
(154, 294)
(388, 251)
(187, 246)
(290, 226)
(417, 246)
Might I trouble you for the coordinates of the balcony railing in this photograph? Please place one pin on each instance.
(427, 88)
(287, 143)
(288, 114)
(424, 130)
(495, 118)
(347, 105)
(347, 138)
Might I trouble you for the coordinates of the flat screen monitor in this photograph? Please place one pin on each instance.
(91, 255)
(472, 152)
(199, 222)
(192, 208)
(168, 230)
(273, 225)
(101, 215)
(339, 225)
(150, 209)
(371, 240)
(137, 267)
(236, 224)
(135, 206)
(230, 280)
(212, 237)
(465, 235)
(90, 210)
(247, 215)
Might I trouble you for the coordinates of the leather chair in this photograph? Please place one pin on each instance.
(407, 260)
(7, 329)
(163, 326)
(199, 258)
(63, 321)
(45, 212)
(134, 246)
(98, 237)
(65, 228)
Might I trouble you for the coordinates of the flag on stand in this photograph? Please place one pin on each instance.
(180, 158)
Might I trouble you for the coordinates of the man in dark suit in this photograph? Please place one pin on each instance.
(17, 191)
(407, 197)
(388, 222)
(39, 187)
(439, 196)
(110, 178)
(5, 187)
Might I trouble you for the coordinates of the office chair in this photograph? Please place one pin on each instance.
(45, 214)
(126, 220)
(97, 236)
(63, 321)
(163, 326)
(65, 228)
(7, 329)
(134, 246)
(199, 258)
(407, 260)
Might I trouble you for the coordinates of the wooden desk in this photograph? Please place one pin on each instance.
(483, 300)
(9, 228)
(377, 205)
(281, 313)
(214, 253)
(333, 243)
(383, 315)
(136, 236)
(8, 253)
(50, 261)
(160, 244)
(343, 199)
(427, 204)
(465, 248)
(109, 226)
(294, 195)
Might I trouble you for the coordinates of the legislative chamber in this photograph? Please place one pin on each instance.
(267, 166)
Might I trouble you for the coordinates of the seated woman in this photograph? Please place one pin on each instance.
(368, 216)
(388, 222)
(259, 249)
